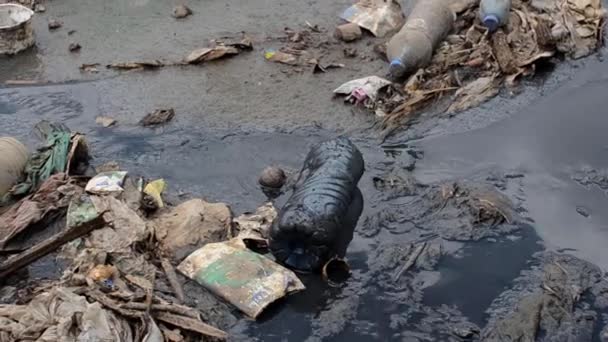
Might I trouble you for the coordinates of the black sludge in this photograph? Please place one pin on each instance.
(318, 220)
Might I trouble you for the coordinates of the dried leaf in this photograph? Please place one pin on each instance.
(158, 117)
(154, 64)
(474, 93)
(208, 54)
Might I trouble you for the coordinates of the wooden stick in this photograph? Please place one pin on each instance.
(191, 324)
(172, 277)
(47, 246)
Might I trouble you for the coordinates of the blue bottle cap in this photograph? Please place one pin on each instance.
(491, 21)
(396, 63)
(396, 69)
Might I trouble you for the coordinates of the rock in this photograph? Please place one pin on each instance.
(158, 117)
(54, 24)
(74, 47)
(105, 121)
(39, 8)
(348, 32)
(272, 177)
(350, 52)
(181, 11)
(191, 225)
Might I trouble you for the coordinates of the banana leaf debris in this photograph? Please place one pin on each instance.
(472, 65)
(124, 268)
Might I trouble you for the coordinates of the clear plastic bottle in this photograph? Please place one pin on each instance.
(412, 47)
(494, 13)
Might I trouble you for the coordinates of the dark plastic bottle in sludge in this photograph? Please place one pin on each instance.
(318, 220)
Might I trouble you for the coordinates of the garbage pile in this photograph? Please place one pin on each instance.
(125, 249)
(472, 64)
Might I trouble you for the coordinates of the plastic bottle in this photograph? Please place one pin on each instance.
(13, 157)
(412, 47)
(494, 13)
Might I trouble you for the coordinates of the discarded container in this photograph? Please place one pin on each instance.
(494, 13)
(412, 47)
(318, 220)
(16, 31)
(155, 189)
(378, 16)
(106, 183)
(13, 158)
(244, 278)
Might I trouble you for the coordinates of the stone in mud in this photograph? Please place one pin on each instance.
(550, 303)
(348, 32)
(74, 47)
(272, 177)
(54, 24)
(181, 11)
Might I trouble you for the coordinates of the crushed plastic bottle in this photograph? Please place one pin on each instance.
(13, 158)
(494, 13)
(412, 47)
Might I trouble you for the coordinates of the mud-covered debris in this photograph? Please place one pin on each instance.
(350, 52)
(109, 166)
(348, 32)
(91, 67)
(39, 8)
(74, 47)
(158, 117)
(54, 24)
(554, 303)
(477, 64)
(254, 228)
(474, 93)
(363, 89)
(244, 43)
(377, 16)
(181, 11)
(190, 225)
(396, 183)
(322, 68)
(105, 121)
(139, 65)
(281, 57)
(584, 212)
(106, 183)
(272, 177)
(588, 176)
(230, 270)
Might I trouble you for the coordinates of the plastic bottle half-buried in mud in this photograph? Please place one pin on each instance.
(319, 218)
(13, 158)
(494, 13)
(412, 47)
(16, 31)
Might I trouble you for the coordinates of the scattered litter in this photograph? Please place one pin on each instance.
(74, 47)
(54, 24)
(318, 67)
(244, 278)
(536, 30)
(158, 117)
(474, 93)
(348, 32)
(106, 183)
(181, 11)
(105, 121)
(71, 32)
(155, 189)
(208, 54)
(152, 64)
(13, 158)
(190, 225)
(281, 57)
(92, 67)
(380, 17)
(362, 89)
(16, 30)
(254, 228)
(63, 151)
